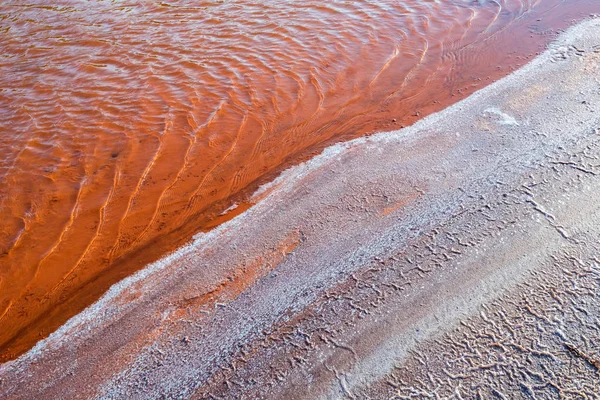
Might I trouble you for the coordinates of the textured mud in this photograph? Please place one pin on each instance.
(457, 258)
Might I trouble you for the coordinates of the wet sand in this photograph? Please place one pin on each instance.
(125, 130)
(456, 257)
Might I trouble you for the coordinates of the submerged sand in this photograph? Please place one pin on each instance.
(457, 258)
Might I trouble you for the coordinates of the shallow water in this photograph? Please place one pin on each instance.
(126, 127)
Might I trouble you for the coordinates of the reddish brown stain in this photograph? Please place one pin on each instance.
(398, 205)
(126, 129)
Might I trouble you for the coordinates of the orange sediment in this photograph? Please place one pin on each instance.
(126, 130)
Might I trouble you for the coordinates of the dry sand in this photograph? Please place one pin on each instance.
(457, 258)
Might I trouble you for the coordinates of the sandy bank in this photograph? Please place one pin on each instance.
(364, 259)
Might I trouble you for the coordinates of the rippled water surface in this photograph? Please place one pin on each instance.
(128, 126)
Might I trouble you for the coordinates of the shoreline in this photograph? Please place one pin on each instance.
(144, 204)
(358, 204)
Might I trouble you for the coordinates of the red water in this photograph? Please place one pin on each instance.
(126, 127)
